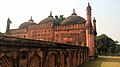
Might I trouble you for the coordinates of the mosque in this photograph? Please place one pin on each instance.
(73, 30)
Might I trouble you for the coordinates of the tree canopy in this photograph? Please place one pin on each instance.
(61, 17)
(105, 45)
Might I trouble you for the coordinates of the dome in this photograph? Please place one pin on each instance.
(73, 19)
(26, 24)
(49, 19)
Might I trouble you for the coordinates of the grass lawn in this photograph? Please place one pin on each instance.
(103, 61)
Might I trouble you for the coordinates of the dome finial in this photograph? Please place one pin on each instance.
(31, 19)
(73, 12)
(50, 14)
(94, 20)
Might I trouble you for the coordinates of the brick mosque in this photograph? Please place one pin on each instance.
(72, 30)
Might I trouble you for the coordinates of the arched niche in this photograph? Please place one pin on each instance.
(35, 61)
(51, 60)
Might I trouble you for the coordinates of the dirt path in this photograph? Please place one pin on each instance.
(103, 61)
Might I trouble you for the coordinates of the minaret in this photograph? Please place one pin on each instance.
(8, 25)
(89, 33)
(88, 24)
(94, 26)
(95, 34)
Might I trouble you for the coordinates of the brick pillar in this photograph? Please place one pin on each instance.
(18, 58)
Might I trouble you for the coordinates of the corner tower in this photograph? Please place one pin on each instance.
(90, 43)
(8, 25)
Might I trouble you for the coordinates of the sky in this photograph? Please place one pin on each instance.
(106, 12)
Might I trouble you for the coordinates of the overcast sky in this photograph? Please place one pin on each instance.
(107, 12)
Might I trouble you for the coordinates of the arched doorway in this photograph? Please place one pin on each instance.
(6, 61)
(51, 60)
(35, 61)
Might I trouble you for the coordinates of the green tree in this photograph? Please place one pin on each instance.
(105, 45)
(117, 51)
(61, 17)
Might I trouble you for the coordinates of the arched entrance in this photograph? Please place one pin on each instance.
(35, 61)
(6, 61)
(51, 60)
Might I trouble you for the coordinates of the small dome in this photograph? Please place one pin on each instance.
(26, 24)
(73, 19)
(49, 19)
